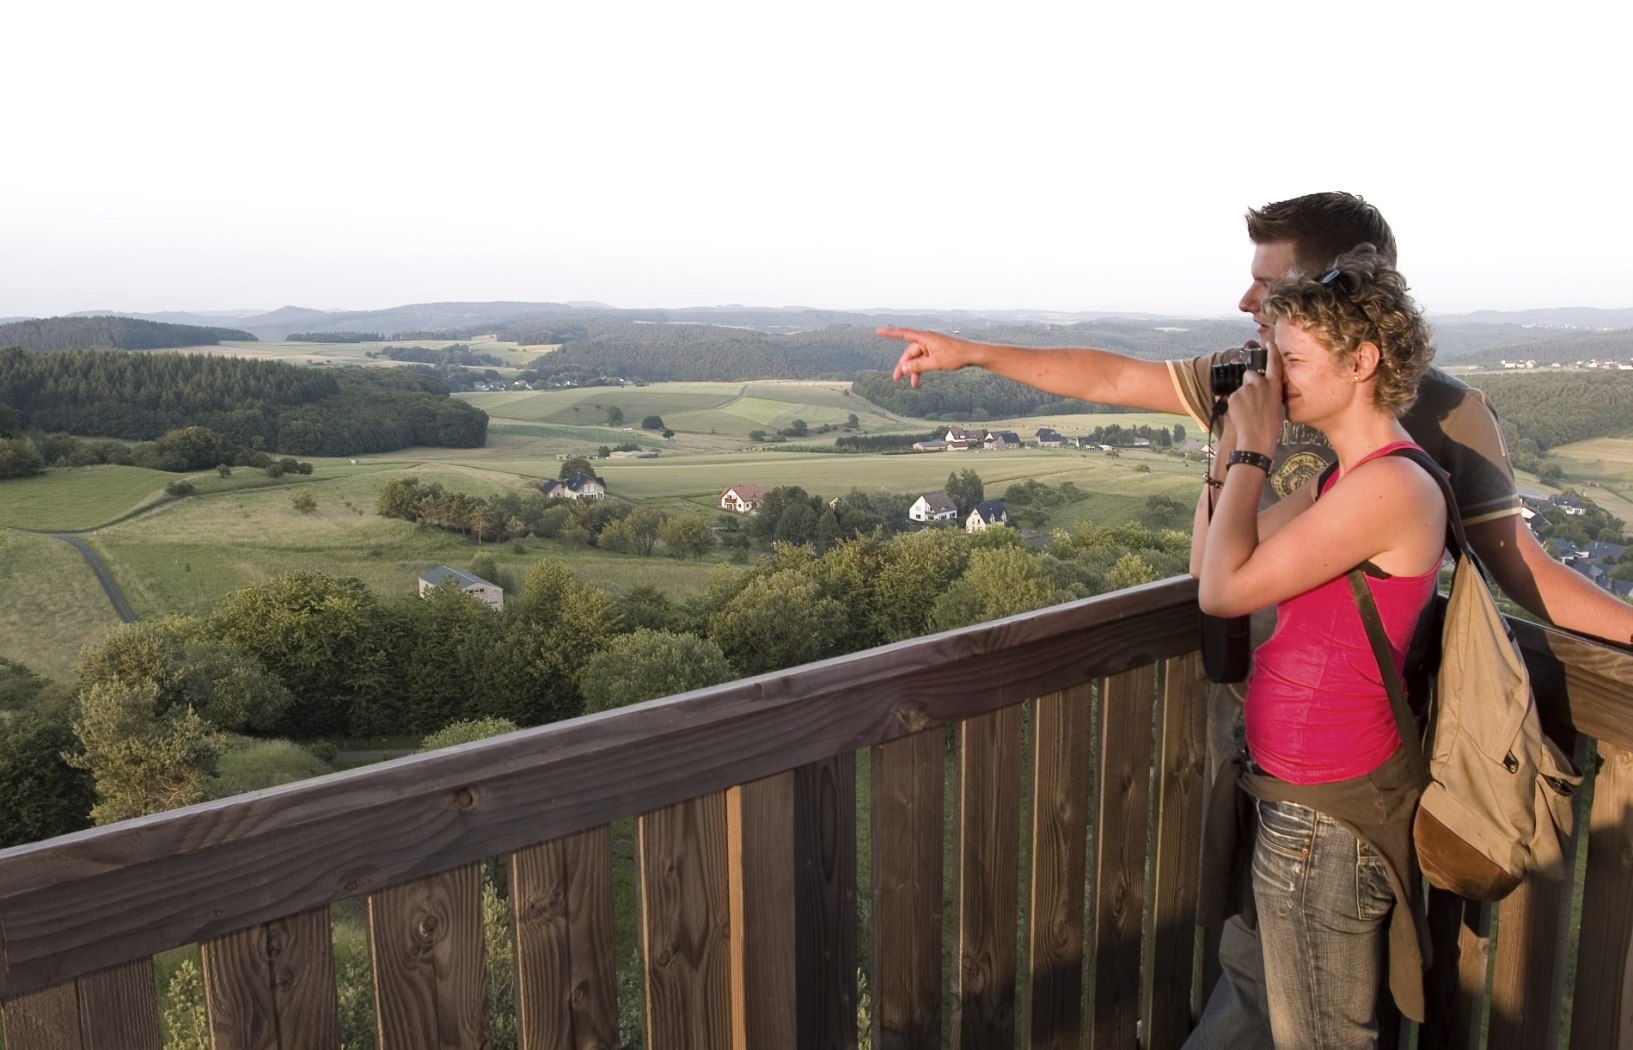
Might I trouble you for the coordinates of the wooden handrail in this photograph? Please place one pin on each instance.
(747, 836)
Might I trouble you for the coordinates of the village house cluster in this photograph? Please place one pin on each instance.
(965, 439)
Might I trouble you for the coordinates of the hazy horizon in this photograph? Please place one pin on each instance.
(178, 156)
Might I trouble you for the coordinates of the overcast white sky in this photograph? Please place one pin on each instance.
(1075, 156)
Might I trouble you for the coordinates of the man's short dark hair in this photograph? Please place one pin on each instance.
(1322, 226)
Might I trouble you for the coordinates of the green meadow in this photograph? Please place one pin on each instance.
(185, 555)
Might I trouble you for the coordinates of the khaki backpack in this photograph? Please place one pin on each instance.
(1498, 802)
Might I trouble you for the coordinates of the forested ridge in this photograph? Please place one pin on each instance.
(111, 333)
(1538, 412)
(265, 405)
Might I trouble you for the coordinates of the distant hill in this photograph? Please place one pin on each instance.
(734, 341)
(111, 333)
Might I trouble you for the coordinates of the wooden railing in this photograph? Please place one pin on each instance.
(1074, 740)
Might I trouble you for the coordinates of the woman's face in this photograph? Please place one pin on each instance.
(1315, 383)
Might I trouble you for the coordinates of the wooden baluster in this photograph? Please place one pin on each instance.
(989, 787)
(430, 989)
(566, 972)
(272, 987)
(1062, 775)
(686, 924)
(1122, 816)
(909, 778)
(1182, 725)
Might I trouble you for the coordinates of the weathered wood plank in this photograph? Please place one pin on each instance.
(1602, 1010)
(1526, 970)
(760, 826)
(686, 924)
(1182, 729)
(425, 937)
(989, 789)
(566, 974)
(110, 895)
(46, 1020)
(1596, 679)
(825, 903)
(1455, 986)
(119, 1008)
(272, 987)
(1122, 811)
(909, 818)
(1062, 778)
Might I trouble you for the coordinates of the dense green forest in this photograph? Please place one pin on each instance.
(111, 333)
(335, 337)
(263, 405)
(1538, 412)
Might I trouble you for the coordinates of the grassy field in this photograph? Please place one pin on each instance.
(186, 555)
(515, 356)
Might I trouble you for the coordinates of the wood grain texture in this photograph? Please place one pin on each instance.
(1602, 1014)
(761, 829)
(909, 818)
(272, 987)
(1455, 986)
(566, 975)
(119, 1008)
(47, 1020)
(988, 881)
(1122, 813)
(109, 895)
(425, 937)
(1527, 966)
(1579, 684)
(825, 903)
(1181, 728)
(1062, 746)
(686, 924)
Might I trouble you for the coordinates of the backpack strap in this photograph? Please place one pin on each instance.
(1405, 724)
(1457, 543)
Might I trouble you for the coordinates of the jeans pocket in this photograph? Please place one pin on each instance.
(1282, 853)
(1374, 896)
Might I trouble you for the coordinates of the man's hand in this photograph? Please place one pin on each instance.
(929, 352)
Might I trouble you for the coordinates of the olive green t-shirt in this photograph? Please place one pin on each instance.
(1454, 423)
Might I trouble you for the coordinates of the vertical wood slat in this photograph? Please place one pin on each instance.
(112, 1009)
(825, 903)
(272, 987)
(1122, 813)
(1182, 729)
(1455, 986)
(989, 803)
(1602, 1011)
(686, 924)
(1062, 745)
(566, 973)
(43, 1020)
(429, 971)
(760, 828)
(909, 817)
(1525, 1006)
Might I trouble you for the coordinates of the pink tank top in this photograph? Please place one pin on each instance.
(1317, 711)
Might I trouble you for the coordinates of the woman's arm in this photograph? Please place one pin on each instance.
(1387, 511)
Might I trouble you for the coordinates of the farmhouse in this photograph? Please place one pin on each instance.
(958, 439)
(985, 515)
(933, 445)
(1049, 437)
(490, 593)
(744, 499)
(578, 485)
(933, 506)
(1001, 439)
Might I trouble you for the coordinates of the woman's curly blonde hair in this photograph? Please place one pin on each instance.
(1362, 299)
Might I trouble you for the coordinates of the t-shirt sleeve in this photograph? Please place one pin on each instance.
(1193, 382)
(1457, 425)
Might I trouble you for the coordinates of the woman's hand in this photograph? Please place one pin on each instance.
(929, 352)
(1257, 408)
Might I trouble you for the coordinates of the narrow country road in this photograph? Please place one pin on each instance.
(103, 576)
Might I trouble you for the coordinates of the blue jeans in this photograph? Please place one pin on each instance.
(1324, 900)
(1309, 977)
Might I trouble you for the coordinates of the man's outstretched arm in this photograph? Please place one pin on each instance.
(1545, 587)
(1101, 376)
